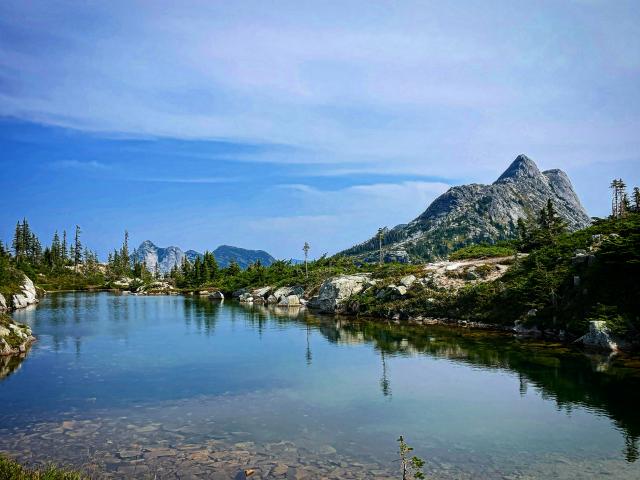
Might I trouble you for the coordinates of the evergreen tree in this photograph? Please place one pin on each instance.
(636, 199)
(64, 251)
(56, 251)
(233, 269)
(77, 249)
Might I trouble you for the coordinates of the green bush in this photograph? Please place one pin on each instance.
(11, 470)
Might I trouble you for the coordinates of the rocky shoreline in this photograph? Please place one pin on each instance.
(15, 338)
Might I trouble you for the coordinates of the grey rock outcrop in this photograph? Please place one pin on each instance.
(334, 291)
(27, 296)
(290, 301)
(216, 296)
(3, 303)
(284, 292)
(408, 280)
(477, 213)
(599, 337)
(15, 337)
(262, 292)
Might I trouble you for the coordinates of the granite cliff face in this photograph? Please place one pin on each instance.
(167, 258)
(477, 213)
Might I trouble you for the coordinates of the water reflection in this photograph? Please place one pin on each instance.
(10, 364)
(280, 367)
(609, 385)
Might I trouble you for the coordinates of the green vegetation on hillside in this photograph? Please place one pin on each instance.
(566, 280)
(482, 251)
(11, 470)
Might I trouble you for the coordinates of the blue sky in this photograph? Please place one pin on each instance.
(267, 124)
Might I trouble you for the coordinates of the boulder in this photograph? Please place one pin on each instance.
(3, 303)
(599, 337)
(14, 337)
(261, 292)
(290, 301)
(391, 291)
(282, 292)
(272, 299)
(334, 291)
(408, 280)
(246, 298)
(238, 293)
(123, 282)
(216, 296)
(27, 296)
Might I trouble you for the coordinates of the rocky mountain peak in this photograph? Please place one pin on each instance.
(147, 244)
(476, 213)
(522, 167)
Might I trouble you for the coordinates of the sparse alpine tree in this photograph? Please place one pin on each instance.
(64, 251)
(77, 249)
(636, 199)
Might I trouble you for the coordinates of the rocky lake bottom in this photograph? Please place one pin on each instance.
(174, 387)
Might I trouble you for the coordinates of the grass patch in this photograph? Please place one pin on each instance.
(12, 470)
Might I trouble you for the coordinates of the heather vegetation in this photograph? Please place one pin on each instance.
(11, 470)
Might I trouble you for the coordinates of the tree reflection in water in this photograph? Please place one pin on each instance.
(608, 384)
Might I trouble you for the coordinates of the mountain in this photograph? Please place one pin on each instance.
(225, 254)
(476, 213)
(151, 255)
(167, 257)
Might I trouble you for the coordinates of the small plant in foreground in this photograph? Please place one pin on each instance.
(410, 467)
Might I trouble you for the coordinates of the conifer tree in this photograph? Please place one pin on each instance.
(77, 249)
(64, 251)
(56, 250)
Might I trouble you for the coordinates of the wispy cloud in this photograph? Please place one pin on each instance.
(80, 165)
(415, 84)
(187, 180)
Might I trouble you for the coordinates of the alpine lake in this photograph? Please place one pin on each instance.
(123, 386)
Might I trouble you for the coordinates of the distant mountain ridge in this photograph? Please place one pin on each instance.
(477, 213)
(167, 257)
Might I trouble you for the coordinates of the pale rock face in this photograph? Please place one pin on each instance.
(3, 303)
(336, 290)
(479, 213)
(408, 280)
(290, 301)
(282, 292)
(261, 292)
(164, 258)
(14, 337)
(28, 295)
